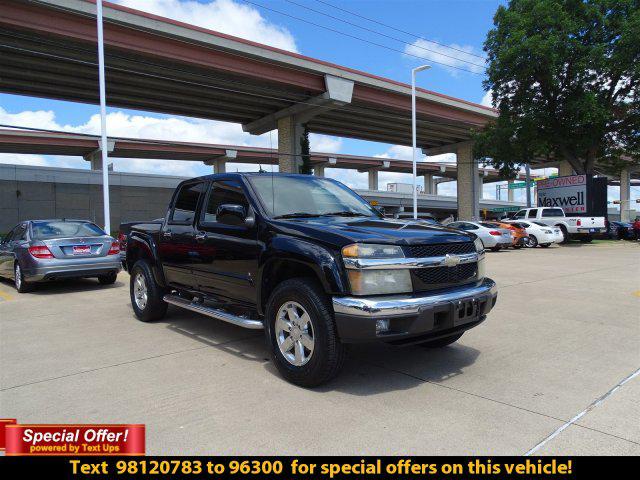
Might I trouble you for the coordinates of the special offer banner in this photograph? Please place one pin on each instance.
(3, 423)
(74, 439)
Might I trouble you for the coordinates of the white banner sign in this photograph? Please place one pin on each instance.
(568, 193)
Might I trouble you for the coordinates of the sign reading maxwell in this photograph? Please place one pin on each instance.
(568, 193)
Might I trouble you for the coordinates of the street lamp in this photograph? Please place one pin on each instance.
(103, 120)
(413, 134)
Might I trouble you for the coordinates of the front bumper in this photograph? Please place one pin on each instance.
(415, 318)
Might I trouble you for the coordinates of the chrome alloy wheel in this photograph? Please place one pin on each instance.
(140, 291)
(294, 333)
(18, 277)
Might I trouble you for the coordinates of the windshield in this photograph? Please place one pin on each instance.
(61, 229)
(308, 196)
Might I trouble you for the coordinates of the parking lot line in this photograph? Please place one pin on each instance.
(593, 405)
(5, 296)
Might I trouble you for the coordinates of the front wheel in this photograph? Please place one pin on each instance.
(441, 342)
(495, 249)
(146, 294)
(301, 333)
(22, 286)
(545, 245)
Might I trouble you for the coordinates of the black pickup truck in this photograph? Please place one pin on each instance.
(310, 262)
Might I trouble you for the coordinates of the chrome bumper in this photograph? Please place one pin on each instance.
(394, 305)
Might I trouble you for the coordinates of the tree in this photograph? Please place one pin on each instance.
(565, 78)
(305, 168)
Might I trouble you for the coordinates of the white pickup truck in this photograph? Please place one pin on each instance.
(582, 228)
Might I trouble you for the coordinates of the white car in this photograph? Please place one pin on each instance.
(539, 233)
(581, 228)
(492, 238)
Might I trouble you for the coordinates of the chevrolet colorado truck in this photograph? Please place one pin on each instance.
(310, 262)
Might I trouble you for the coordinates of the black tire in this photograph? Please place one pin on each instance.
(441, 342)
(108, 278)
(545, 245)
(328, 354)
(155, 307)
(565, 234)
(586, 239)
(22, 286)
(495, 249)
(533, 241)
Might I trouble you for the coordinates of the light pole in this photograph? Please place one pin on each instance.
(413, 134)
(103, 120)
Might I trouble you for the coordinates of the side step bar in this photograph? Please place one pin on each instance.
(213, 312)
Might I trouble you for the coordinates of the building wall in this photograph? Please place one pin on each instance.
(28, 192)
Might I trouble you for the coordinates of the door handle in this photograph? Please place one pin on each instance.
(201, 237)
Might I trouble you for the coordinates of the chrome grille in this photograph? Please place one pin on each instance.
(439, 250)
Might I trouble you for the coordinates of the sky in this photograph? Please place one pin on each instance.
(448, 34)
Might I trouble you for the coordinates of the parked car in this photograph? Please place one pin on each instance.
(493, 238)
(539, 233)
(621, 231)
(518, 235)
(582, 228)
(422, 217)
(310, 262)
(42, 250)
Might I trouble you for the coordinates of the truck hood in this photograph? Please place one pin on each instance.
(340, 231)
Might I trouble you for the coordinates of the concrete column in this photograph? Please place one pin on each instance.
(511, 193)
(220, 166)
(95, 160)
(373, 179)
(468, 183)
(430, 185)
(565, 169)
(318, 170)
(625, 195)
(289, 136)
(480, 185)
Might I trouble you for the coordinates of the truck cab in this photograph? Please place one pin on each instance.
(310, 262)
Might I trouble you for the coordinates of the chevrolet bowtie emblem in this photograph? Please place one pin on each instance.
(451, 260)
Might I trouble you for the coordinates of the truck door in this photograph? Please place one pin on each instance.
(229, 246)
(177, 245)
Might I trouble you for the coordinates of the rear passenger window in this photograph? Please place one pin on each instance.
(520, 214)
(186, 203)
(533, 213)
(553, 212)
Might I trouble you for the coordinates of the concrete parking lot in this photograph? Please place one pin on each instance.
(564, 334)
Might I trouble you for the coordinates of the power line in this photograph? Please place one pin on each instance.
(355, 37)
(397, 29)
(384, 34)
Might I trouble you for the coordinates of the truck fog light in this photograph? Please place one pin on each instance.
(382, 325)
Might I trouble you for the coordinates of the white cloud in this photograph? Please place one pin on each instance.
(225, 16)
(443, 55)
(120, 124)
(487, 99)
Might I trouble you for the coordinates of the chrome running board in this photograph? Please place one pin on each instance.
(213, 312)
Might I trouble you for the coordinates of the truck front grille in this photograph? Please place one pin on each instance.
(439, 250)
(438, 276)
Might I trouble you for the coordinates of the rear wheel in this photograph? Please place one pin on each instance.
(586, 239)
(565, 234)
(301, 333)
(545, 245)
(495, 249)
(22, 286)
(108, 278)
(441, 342)
(146, 294)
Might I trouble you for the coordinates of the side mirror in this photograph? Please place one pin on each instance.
(231, 214)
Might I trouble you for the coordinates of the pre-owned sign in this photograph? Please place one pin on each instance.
(568, 193)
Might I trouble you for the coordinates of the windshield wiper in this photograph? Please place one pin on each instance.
(297, 215)
(345, 213)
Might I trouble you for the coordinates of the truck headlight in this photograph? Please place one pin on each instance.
(479, 245)
(377, 282)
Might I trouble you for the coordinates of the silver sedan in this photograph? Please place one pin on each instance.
(492, 238)
(42, 250)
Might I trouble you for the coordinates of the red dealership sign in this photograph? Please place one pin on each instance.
(75, 439)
